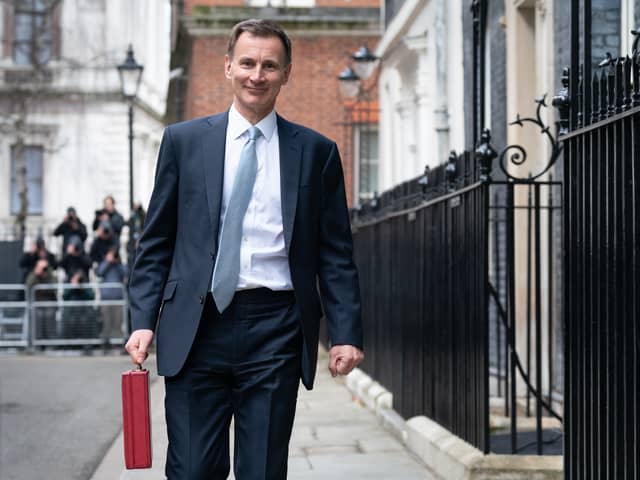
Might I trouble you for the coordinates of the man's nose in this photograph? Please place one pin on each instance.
(257, 74)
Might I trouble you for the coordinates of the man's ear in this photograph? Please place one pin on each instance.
(287, 72)
(227, 66)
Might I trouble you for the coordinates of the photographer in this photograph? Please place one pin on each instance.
(71, 226)
(44, 316)
(104, 240)
(38, 252)
(109, 214)
(75, 259)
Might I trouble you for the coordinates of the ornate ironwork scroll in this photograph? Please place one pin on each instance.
(519, 156)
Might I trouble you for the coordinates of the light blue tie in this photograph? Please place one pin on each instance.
(227, 268)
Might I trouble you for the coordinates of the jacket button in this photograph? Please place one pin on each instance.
(213, 255)
(201, 298)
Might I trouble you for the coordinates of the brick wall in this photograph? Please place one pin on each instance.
(311, 97)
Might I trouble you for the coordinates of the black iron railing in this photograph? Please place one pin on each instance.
(602, 261)
(436, 327)
(416, 261)
(600, 114)
(459, 171)
(422, 249)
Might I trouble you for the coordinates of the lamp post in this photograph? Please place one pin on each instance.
(130, 73)
(355, 83)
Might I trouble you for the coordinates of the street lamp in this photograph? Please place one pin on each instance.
(349, 83)
(130, 75)
(364, 62)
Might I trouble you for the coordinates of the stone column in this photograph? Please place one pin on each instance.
(408, 160)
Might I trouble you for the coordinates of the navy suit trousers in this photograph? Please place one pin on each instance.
(245, 363)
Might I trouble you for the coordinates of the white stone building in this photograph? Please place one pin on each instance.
(75, 120)
(421, 89)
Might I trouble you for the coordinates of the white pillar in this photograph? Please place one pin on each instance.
(408, 159)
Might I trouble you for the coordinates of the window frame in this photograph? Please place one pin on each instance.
(39, 14)
(359, 160)
(32, 179)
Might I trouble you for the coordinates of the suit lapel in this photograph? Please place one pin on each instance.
(213, 150)
(290, 160)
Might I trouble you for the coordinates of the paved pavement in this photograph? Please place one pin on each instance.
(334, 438)
(59, 413)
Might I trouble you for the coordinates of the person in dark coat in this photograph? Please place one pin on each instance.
(108, 213)
(75, 259)
(38, 252)
(104, 240)
(71, 226)
(44, 315)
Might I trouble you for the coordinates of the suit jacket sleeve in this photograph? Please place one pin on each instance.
(337, 274)
(155, 248)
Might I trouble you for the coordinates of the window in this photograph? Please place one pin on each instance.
(367, 161)
(33, 179)
(33, 32)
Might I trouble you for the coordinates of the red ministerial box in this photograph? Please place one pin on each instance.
(136, 419)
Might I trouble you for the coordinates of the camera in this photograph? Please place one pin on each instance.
(106, 227)
(76, 243)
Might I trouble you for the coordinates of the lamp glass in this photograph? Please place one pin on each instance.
(130, 81)
(349, 88)
(364, 69)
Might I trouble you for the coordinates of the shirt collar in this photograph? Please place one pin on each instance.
(238, 125)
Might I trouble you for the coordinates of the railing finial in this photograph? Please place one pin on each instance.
(485, 154)
(451, 171)
(562, 102)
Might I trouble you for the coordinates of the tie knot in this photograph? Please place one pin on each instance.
(254, 132)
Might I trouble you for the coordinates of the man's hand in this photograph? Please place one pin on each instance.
(344, 358)
(138, 345)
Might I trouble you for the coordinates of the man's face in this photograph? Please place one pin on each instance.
(257, 71)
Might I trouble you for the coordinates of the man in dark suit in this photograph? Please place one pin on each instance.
(232, 290)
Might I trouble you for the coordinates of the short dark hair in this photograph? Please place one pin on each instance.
(260, 28)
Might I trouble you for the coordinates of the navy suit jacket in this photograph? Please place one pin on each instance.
(177, 249)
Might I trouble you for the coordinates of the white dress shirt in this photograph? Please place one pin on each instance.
(263, 258)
